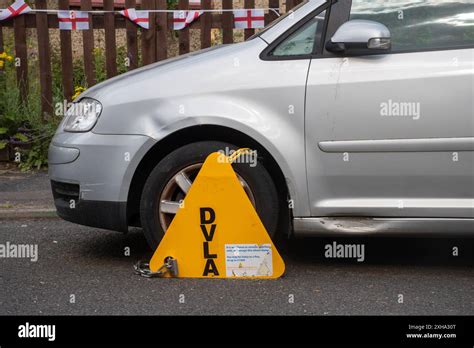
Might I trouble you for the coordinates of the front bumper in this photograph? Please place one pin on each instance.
(91, 176)
(100, 214)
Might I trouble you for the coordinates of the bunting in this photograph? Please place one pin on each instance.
(79, 20)
(19, 7)
(140, 18)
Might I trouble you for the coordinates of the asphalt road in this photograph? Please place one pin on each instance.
(90, 264)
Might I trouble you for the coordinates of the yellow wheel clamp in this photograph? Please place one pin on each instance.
(217, 232)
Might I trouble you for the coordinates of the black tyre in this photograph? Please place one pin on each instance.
(169, 180)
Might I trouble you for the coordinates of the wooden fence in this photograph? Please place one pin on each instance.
(154, 45)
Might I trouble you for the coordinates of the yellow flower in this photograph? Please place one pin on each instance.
(3, 55)
(1, 63)
(9, 58)
(78, 91)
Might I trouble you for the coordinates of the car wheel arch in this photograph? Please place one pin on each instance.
(190, 135)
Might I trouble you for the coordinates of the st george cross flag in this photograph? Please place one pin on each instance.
(73, 20)
(181, 19)
(140, 18)
(17, 8)
(249, 19)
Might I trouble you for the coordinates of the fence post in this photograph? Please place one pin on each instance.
(273, 4)
(206, 22)
(44, 53)
(21, 58)
(66, 56)
(1, 38)
(132, 46)
(2, 87)
(88, 46)
(110, 42)
(148, 36)
(183, 33)
(249, 32)
(227, 22)
(289, 5)
(161, 31)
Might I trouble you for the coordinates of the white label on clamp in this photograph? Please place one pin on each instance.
(248, 260)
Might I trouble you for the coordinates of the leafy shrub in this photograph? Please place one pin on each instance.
(22, 123)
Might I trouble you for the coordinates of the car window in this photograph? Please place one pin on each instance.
(421, 24)
(303, 41)
(279, 19)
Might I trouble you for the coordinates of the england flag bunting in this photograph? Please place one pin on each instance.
(17, 8)
(249, 19)
(140, 18)
(79, 20)
(182, 19)
(73, 20)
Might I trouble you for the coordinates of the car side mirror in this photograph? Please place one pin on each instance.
(360, 37)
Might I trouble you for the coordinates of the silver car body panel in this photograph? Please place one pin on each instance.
(364, 226)
(246, 95)
(310, 115)
(364, 161)
(350, 31)
(399, 145)
(105, 166)
(62, 155)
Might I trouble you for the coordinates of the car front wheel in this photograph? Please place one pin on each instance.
(173, 176)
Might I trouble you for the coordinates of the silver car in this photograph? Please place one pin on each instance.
(361, 114)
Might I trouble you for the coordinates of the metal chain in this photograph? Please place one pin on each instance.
(232, 158)
(170, 266)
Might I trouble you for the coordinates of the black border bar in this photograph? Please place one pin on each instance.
(206, 330)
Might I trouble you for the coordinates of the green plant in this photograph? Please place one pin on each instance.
(13, 116)
(22, 124)
(172, 4)
(99, 62)
(3, 142)
(36, 156)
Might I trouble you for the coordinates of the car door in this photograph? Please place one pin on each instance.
(392, 135)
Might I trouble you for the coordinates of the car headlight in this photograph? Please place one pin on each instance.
(82, 116)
